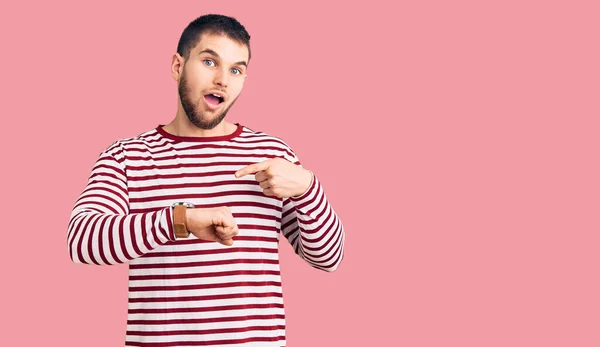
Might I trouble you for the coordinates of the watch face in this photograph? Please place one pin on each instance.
(187, 204)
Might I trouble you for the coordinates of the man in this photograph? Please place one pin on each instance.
(196, 208)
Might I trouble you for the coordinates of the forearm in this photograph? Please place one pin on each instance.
(314, 229)
(100, 238)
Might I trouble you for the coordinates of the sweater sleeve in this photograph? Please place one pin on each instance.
(101, 230)
(312, 227)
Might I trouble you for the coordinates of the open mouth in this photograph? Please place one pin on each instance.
(213, 99)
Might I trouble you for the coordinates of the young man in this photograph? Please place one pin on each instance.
(196, 208)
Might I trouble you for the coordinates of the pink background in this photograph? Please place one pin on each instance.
(457, 142)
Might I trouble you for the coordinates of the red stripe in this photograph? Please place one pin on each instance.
(258, 137)
(145, 232)
(202, 275)
(256, 238)
(200, 252)
(336, 261)
(331, 235)
(82, 232)
(205, 331)
(291, 232)
(188, 196)
(109, 196)
(309, 192)
(321, 204)
(96, 203)
(205, 343)
(73, 225)
(94, 186)
(111, 241)
(170, 231)
(90, 242)
(255, 215)
(317, 260)
(207, 155)
(196, 263)
(236, 238)
(132, 234)
(191, 165)
(288, 210)
(205, 286)
(288, 224)
(101, 242)
(202, 309)
(180, 175)
(122, 238)
(257, 227)
(320, 225)
(192, 185)
(205, 320)
(109, 167)
(105, 175)
(229, 204)
(207, 297)
(153, 228)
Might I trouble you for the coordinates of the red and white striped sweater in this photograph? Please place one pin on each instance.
(190, 292)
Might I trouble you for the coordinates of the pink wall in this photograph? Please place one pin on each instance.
(457, 142)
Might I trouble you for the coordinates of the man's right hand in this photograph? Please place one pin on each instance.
(212, 224)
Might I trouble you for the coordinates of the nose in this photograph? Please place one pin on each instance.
(221, 78)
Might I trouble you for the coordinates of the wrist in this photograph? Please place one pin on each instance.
(180, 219)
(307, 182)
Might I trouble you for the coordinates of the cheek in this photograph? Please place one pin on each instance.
(196, 77)
(193, 89)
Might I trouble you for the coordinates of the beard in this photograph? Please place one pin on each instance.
(191, 108)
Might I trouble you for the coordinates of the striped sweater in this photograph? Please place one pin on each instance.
(191, 292)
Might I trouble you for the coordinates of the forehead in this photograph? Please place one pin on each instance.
(226, 48)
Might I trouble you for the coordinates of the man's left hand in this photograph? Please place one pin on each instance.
(279, 177)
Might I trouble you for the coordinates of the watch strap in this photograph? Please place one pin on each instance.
(179, 225)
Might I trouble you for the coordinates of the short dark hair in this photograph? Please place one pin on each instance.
(211, 24)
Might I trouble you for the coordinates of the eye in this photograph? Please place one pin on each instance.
(209, 62)
(236, 71)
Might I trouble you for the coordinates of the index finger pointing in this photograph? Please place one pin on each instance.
(252, 168)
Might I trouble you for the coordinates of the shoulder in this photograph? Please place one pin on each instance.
(142, 142)
(260, 137)
(269, 142)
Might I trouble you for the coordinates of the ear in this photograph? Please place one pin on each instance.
(177, 66)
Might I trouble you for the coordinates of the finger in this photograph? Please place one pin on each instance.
(252, 168)
(226, 232)
(265, 184)
(223, 218)
(261, 176)
(269, 192)
(228, 242)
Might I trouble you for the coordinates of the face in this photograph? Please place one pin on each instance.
(212, 79)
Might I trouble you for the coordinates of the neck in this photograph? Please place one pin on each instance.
(181, 126)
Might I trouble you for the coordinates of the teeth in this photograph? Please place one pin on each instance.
(218, 96)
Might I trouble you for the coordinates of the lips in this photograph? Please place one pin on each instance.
(214, 99)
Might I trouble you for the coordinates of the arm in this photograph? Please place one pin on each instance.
(312, 227)
(308, 222)
(101, 230)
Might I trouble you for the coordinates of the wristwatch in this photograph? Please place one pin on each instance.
(179, 226)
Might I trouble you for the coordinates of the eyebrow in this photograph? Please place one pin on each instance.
(211, 52)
